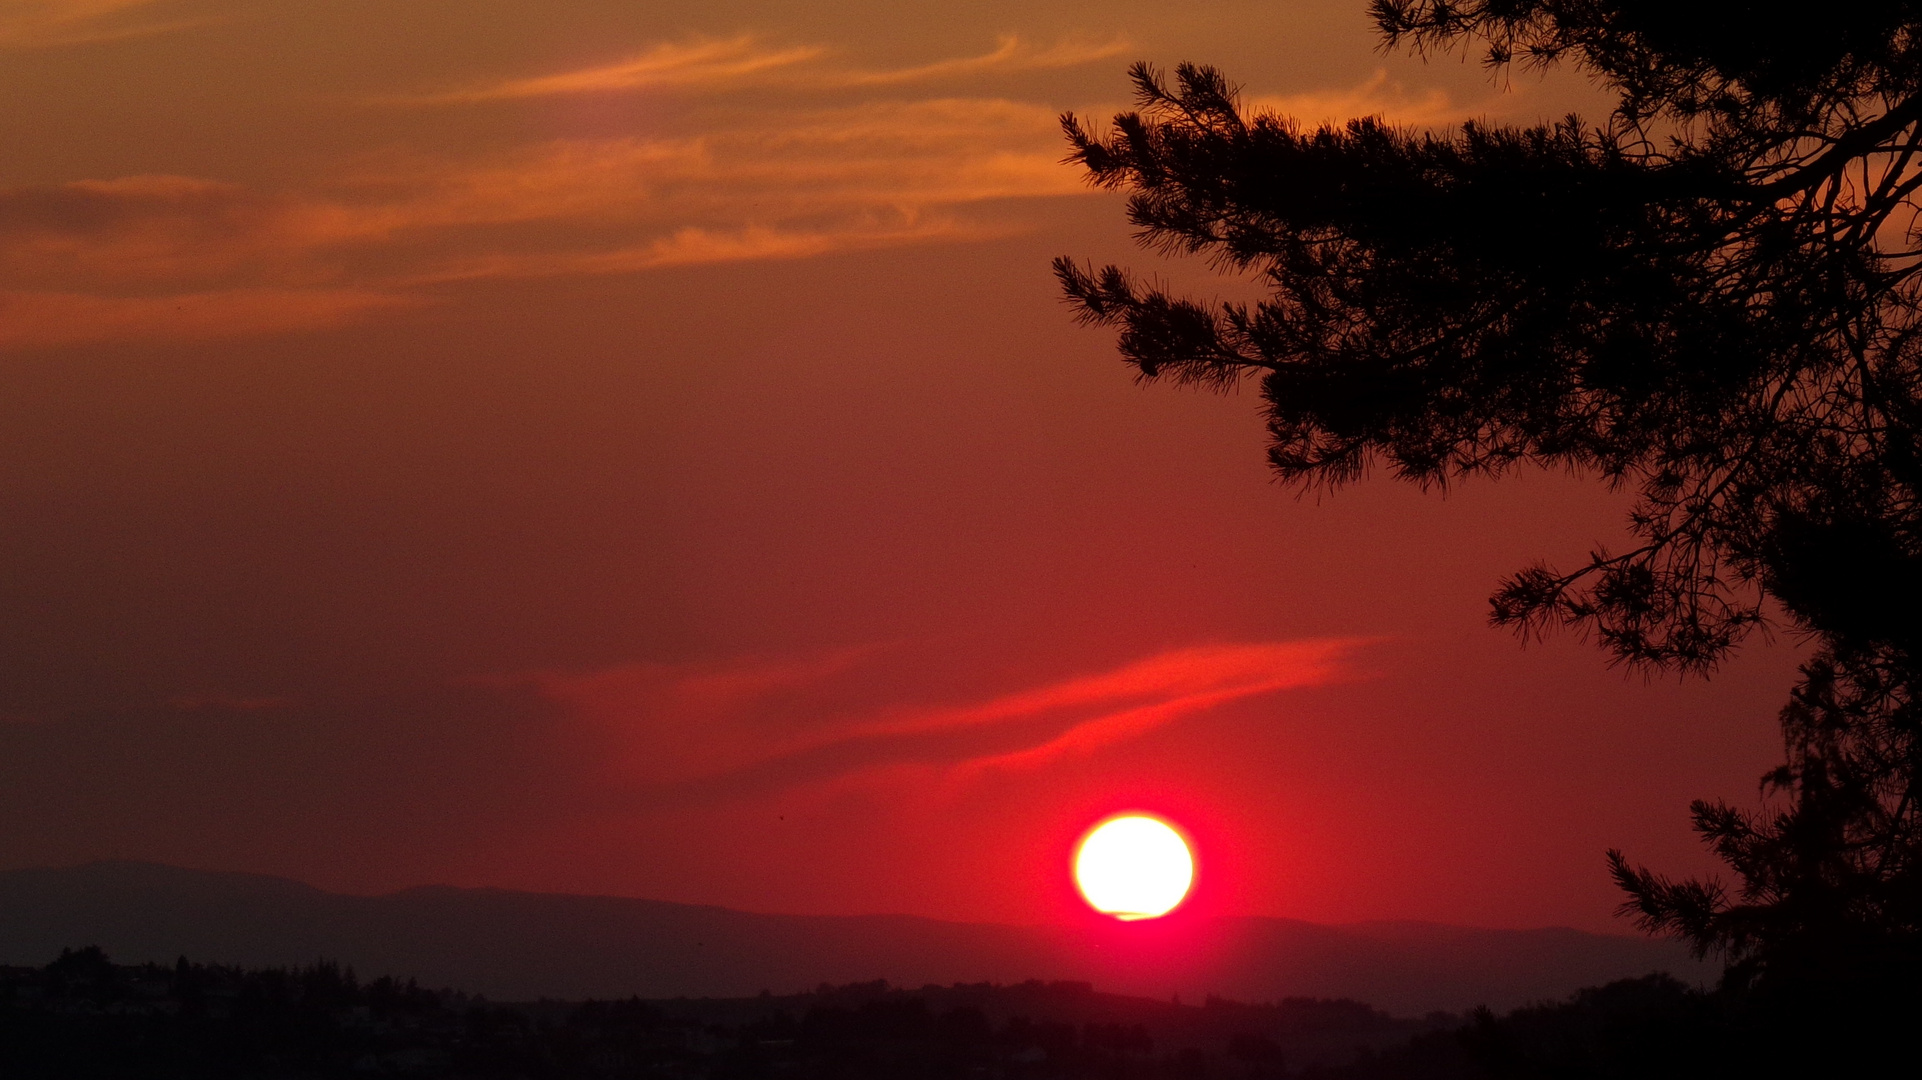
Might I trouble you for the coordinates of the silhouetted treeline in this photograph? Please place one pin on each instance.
(1657, 1027)
(1710, 296)
(84, 1016)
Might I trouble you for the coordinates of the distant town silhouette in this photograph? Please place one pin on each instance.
(83, 1016)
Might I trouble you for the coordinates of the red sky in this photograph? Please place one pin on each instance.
(637, 448)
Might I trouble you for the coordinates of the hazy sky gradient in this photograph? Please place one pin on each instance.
(637, 448)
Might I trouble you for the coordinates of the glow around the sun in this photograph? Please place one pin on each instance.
(1134, 867)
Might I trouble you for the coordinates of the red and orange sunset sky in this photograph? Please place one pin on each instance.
(638, 448)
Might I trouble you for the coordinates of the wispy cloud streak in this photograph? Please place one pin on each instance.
(826, 157)
(696, 63)
(796, 185)
(795, 720)
(1378, 95)
(34, 24)
(1011, 53)
(745, 61)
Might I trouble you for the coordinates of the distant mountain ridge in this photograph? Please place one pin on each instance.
(519, 945)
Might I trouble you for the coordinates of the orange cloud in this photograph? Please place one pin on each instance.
(869, 160)
(175, 229)
(667, 64)
(1010, 53)
(172, 256)
(44, 23)
(744, 60)
(815, 717)
(1377, 96)
(694, 246)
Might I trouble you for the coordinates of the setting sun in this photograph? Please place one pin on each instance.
(1134, 867)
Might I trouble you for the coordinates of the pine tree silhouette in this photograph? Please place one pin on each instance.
(1710, 296)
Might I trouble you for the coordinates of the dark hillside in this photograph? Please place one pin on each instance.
(512, 945)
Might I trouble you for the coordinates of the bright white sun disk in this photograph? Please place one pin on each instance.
(1134, 867)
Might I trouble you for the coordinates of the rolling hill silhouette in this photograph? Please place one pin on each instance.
(520, 945)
